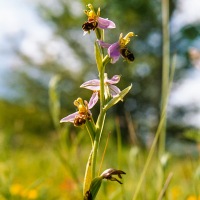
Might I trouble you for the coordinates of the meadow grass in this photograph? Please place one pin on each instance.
(34, 170)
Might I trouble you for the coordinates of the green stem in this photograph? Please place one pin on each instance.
(158, 132)
(119, 143)
(106, 60)
(91, 129)
(98, 33)
(100, 121)
(99, 126)
(101, 117)
(100, 36)
(151, 152)
(101, 78)
(165, 71)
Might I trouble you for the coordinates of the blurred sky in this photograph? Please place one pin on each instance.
(22, 27)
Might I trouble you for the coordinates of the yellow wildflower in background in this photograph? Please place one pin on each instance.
(16, 189)
(19, 190)
(193, 197)
(32, 194)
(176, 192)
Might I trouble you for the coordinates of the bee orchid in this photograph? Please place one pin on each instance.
(79, 118)
(119, 48)
(94, 85)
(95, 21)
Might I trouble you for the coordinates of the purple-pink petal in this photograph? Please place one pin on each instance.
(114, 80)
(69, 118)
(114, 52)
(104, 44)
(93, 100)
(93, 85)
(105, 23)
(114, 90)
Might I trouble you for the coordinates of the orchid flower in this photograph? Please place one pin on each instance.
(95, 21)
(94, 85)
(79, 118)
(119, 48)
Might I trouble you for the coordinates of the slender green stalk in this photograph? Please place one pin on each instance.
(103, 156)
(91, 130)
(101, 77)
(166, 185)
(151, 152)
(165, 71)
(158, 132)
(98, 33)
(102, 114)
(99, 126)
(119, 142)
(91, 165)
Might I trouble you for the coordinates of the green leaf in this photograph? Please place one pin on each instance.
(88, 174)
(94, 188)
(118, 98)
(98, 56)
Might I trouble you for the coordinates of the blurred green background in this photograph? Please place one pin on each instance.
(41, 40)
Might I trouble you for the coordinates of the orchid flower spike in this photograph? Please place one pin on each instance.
(95, 21)
(119, 48)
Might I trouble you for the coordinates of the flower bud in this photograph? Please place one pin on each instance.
(108, 174)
